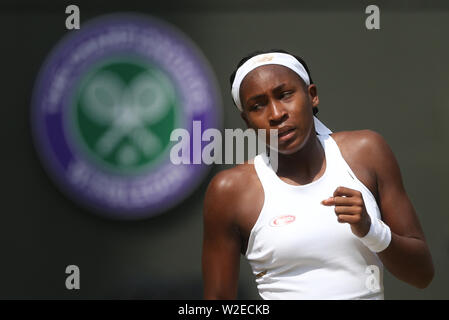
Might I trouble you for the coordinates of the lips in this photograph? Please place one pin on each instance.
(285, 133)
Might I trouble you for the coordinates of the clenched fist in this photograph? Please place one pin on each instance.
(350, 208)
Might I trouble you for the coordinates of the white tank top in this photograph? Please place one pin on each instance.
(298, 250)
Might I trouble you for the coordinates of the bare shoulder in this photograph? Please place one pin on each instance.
(233, 181)
(365, 146)
(229, 191)
(368, 155)
(359, 140)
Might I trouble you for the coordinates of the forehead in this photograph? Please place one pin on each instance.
(267, 76)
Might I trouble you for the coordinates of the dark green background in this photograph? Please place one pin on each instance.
(394, 80)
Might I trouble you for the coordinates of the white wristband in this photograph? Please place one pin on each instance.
(378, 237)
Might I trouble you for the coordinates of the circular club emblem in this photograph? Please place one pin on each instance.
(282, 220)
(104, 106)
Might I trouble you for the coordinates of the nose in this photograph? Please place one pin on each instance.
(278, 113)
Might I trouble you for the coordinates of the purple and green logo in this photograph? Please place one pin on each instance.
(104, 106)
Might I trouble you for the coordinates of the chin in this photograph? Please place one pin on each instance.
(289, 147)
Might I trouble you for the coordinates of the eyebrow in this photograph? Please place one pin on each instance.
(279, 87)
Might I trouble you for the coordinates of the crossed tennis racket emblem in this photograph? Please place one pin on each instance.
(127, 111)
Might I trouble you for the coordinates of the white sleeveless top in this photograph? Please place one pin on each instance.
(298, 250)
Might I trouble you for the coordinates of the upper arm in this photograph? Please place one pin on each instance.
(221, 240)
(394, 203)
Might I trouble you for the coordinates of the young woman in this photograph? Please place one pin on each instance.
(321, 226)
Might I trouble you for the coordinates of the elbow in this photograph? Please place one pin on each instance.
(426, 278)
(425, 271)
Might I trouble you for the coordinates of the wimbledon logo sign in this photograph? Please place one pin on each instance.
(104, 106)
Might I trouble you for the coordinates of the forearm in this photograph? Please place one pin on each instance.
(409, 260)
(217, 288)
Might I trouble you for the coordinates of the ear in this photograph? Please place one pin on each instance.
(313, 95)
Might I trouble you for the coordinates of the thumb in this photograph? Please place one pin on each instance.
(328, 201)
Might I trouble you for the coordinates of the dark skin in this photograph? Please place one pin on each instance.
(274, 97)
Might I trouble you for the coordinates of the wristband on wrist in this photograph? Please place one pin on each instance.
(378, 237)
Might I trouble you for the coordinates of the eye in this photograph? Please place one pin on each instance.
(286, 94)
(255, 106)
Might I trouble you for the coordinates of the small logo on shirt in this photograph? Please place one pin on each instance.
(282, 220)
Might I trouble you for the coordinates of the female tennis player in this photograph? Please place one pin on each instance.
(328, 220)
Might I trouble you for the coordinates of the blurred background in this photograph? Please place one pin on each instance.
(394, 80)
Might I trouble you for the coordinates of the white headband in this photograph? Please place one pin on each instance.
(279, 58)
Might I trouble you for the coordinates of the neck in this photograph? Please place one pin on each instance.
(305, 165)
